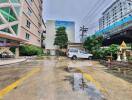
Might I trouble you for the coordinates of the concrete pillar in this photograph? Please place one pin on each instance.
(118, 57)
(17, 52)
(124, 56)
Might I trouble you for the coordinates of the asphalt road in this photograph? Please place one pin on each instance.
(50, 83)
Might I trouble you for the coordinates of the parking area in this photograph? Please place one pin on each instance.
(63, 79)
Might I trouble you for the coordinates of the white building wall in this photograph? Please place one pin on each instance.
(51, 32)
(71, 34)
(50, 35)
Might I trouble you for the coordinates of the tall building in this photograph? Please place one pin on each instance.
(20, 22)
(117, 11)
(43, 35)
(116, 23)
(51, 26)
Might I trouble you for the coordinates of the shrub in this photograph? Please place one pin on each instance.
(130, 58)
(30, 50)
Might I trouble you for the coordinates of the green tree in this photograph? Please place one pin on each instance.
(112, 50)
(61, 38)
(93, 43)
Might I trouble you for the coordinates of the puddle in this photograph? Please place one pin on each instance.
(80, 84)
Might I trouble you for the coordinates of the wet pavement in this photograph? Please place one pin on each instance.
(50, 83)
(81, 84)
(58, 79)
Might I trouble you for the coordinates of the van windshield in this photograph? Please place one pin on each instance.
(73, 50)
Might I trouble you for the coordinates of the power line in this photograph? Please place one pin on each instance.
(97, 5)
(93, 18)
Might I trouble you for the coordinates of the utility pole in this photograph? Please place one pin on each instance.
(83, 30)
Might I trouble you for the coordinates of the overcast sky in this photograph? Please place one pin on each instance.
(85, 12)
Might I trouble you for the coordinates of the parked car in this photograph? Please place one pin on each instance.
(75, 53)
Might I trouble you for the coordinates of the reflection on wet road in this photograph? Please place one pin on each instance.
(61, 79)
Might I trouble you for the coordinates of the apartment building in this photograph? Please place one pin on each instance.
(117, 11)
(20, 23)
(31, 21)
(115, 25)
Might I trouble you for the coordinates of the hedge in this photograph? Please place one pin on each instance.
(30, 50)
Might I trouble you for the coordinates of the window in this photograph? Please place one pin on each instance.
(73, 50)
(3, 1)
(27, 36)
(83, 52)
(39, 24)
(28, 24)
(29, 11)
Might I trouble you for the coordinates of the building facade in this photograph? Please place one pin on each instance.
(51, 26)
(43, 35)
(117, 11)
(116, 23)
(20, 22)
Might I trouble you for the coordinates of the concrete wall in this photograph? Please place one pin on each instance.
(50, 35)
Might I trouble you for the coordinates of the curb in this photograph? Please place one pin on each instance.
(13, 62)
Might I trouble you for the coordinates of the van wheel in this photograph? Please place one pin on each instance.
(74, 57)
(90, 58)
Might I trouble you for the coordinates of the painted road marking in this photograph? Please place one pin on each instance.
(18, 82)
(92, 80)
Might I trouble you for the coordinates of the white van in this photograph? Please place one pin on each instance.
(75, 53)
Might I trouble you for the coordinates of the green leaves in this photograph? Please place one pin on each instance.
(93, 43)
(61, 38)
(30, 50)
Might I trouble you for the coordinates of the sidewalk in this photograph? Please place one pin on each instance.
(11, 61)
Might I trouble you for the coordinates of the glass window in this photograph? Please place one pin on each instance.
(15, 1)
(30, 2)
(28, 24)
(1, 22)
(15, 28)
(8, 14)
(3, 1)
(27, 36)
(83, 52)
(29, 11)
(73, 50)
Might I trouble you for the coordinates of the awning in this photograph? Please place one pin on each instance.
(12, 37)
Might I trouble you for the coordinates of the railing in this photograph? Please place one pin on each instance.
(115, 25)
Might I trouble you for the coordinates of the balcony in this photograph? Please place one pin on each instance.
(124, 23)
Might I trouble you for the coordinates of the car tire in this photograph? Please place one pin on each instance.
(74, 57)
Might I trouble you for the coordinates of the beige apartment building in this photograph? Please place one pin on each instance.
(20, 23)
